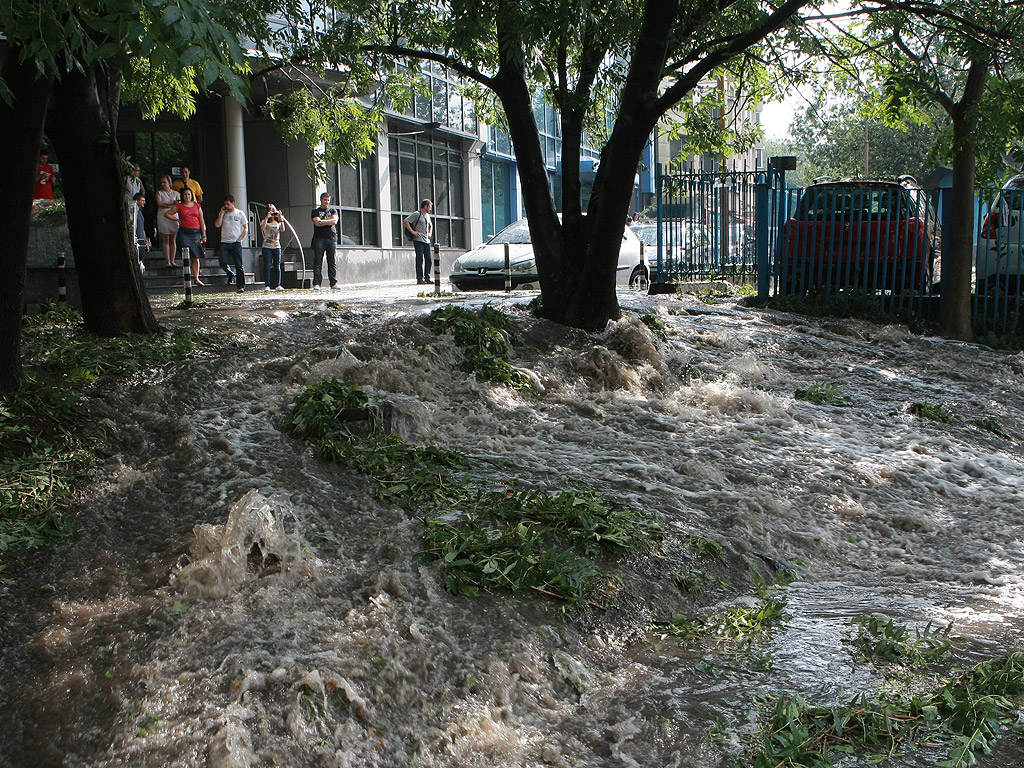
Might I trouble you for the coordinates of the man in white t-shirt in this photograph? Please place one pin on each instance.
(234, 227)
(420, 229)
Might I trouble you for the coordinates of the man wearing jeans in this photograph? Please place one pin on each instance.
(325, 242)
(234, 226)
(421, 228)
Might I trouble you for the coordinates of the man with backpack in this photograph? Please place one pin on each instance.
(420, 228)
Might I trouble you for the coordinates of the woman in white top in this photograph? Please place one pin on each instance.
(166, 199)
(272, 225)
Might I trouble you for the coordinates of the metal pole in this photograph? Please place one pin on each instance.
(62, 280)
(437, 268)
(508, 270)
(186, 273)
(761, 237)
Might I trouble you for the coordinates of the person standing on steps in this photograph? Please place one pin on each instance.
(421, 228)
(191, 229)
(166, 227)
(186, 180)
(141, 239)
(272, 225)
(234, 227)
(325, 242)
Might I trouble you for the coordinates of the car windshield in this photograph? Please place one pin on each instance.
(857, 202)
(519, 232)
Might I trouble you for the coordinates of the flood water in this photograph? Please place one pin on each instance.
(164, 637)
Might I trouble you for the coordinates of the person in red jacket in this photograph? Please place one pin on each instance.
(44, 179)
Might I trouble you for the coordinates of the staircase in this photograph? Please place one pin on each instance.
(161, 280)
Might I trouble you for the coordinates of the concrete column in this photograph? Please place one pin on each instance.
(234, 134)
(472, 197)
(384, 190)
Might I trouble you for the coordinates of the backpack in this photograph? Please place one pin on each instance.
(406, 229)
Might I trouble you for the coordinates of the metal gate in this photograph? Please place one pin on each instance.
(708, 225)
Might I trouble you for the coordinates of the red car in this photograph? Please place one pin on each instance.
(872, 235)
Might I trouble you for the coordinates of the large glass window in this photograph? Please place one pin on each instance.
(354, 191)
(437, 97)
(426, 167)
(495, 181)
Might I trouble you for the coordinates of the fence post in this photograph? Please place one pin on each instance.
(186, 274)
(437, 268)
(508, 270)
(62, 278)
(761, 216)
(659, 183)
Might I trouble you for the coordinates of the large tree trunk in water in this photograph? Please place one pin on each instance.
(21, 134)
(956, 320)
(83, 128)
(594, 301)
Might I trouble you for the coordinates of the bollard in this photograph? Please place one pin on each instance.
(186, 275)
(508, 270)
(437, 268)
(62, 279)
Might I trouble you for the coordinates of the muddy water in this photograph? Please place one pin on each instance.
(236, 602)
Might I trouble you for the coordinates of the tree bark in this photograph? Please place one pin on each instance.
(83, 128)
(594, 300)
(956, 321)
(21, 135)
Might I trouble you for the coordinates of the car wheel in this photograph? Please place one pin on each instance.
(638, 281)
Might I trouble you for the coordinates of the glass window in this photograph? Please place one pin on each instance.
(425, 167)
(355, 190)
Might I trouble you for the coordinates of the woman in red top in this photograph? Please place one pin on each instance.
(191, 230)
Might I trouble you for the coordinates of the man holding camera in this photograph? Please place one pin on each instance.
(234, 226)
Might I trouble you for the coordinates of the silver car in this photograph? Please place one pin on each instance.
(483, 268)
(1001, 244)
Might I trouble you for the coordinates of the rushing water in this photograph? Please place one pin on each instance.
(234, 601)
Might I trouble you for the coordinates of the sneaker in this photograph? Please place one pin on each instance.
(279, 288)
(266, 289)
(316, 288)
(241, 290)
(335, 287)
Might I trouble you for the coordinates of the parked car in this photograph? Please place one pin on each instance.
(681, 241)
(483, 268)
(875, 235)
(1001, 245)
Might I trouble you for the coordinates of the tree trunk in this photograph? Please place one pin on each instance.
(21, 134)
(957, 314)
(545, 230)
(594, 301)
(83, 127)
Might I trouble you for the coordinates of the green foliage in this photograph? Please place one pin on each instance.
(41, 464)
(879, 638)
(482, 336)
(990, 425)
(703, 546)
(737, 628)
(657, 327)
(824, 393)
(317, 409)
(188, 39)
(55, 340)
(534, 541)
(523, 541)
(931, 411)
(967, 711)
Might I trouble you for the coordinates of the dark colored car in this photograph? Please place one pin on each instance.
(874, 235)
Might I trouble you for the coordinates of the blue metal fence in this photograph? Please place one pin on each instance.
(845, 240)
(999, 260)
(707, 226)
